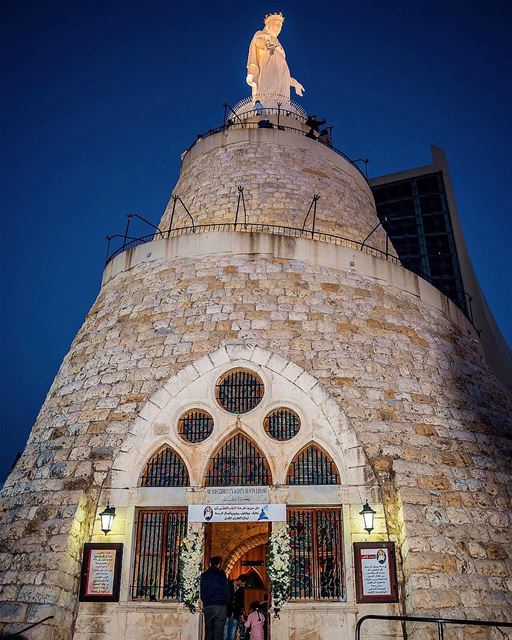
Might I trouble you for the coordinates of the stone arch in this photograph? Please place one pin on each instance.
(165, 468)
(312, 452)
(251, 465)
(241, 549)
(352, 463)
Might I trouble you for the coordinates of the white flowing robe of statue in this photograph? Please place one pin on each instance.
(267, 63)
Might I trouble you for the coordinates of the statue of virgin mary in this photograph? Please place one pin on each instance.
(267, 69)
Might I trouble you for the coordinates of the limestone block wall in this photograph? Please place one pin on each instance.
(280, 172)
(403, 367)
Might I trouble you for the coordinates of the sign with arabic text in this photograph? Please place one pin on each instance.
(236, 512)
(375, 572)
(101, 572)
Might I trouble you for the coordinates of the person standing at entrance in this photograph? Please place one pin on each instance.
(256, 622)
(235, 608)
(215, 595)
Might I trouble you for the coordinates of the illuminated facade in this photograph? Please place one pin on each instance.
(255, 342)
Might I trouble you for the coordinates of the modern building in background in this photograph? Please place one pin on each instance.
(417, 209)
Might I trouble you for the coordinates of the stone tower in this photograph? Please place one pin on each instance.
(350, 379)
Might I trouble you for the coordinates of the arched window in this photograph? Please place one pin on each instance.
(238, 462)
(312, 466)
(165, 469)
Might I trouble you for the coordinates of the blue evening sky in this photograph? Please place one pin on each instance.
(100, 98)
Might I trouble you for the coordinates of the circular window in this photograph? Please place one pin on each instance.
(195, 425)
(282, 424)
(239, 391)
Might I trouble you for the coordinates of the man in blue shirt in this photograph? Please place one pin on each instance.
(215, 596)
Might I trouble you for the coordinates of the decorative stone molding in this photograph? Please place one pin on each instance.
(340, 442)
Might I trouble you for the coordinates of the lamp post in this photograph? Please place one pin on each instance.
(368, 516)
(107, 518)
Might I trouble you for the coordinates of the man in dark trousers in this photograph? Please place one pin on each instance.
(215, 596)
(235, 607)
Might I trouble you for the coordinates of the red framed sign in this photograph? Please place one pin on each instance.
(101, 572)
(375, 566)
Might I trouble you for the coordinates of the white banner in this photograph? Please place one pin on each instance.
(236, 495)
(237, 513)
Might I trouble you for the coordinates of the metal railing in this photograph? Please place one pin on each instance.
(31, 626)
(440, 623)
(233, 116)
(240, 124)
(294, 232)
(285, 105)
(252, 227)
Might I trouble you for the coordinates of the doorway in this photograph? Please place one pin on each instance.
(243, 547)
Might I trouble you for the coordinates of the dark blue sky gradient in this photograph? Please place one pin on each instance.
(100, 98)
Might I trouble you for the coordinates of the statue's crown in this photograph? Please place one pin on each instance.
(269, 16)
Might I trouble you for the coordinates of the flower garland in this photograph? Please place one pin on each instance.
(279, 566)
(191, 558)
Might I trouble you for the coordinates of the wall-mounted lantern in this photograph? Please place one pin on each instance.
(368, 516)
(107, 518)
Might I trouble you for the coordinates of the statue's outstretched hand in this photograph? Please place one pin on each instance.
(297, 86)
(250, 81)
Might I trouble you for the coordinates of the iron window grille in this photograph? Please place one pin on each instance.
(158, 538)
(316, 554)
(282, 424)
(165, 469)
(238, 463)
(312, 466)
(195, 426)
(239, 391)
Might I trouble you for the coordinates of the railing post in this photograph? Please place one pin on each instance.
(440, 630)
(315, 200)
(18, 633)
(129, 216)
(188, 213)
(109, 238)
(240, 195)
(136, 215)
(243, 205)
(174, 198)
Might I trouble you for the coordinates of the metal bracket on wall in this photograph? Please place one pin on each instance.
(176, 199)
(240, 199)
(316, 198)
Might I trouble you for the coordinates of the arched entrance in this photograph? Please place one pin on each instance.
(243, 547)
(253, 565)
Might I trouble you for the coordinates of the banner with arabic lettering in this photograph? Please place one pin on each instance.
(237, 513)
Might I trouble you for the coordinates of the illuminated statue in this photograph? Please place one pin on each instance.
(267, 70)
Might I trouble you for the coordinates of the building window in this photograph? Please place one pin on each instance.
(195, 426)
(158, 538)
(282, 424)
(312, 466)
(316, 554)
(240, 463)
(165, 469)
(239, 391)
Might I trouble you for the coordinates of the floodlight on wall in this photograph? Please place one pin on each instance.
(368, 517)
(107, 518)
